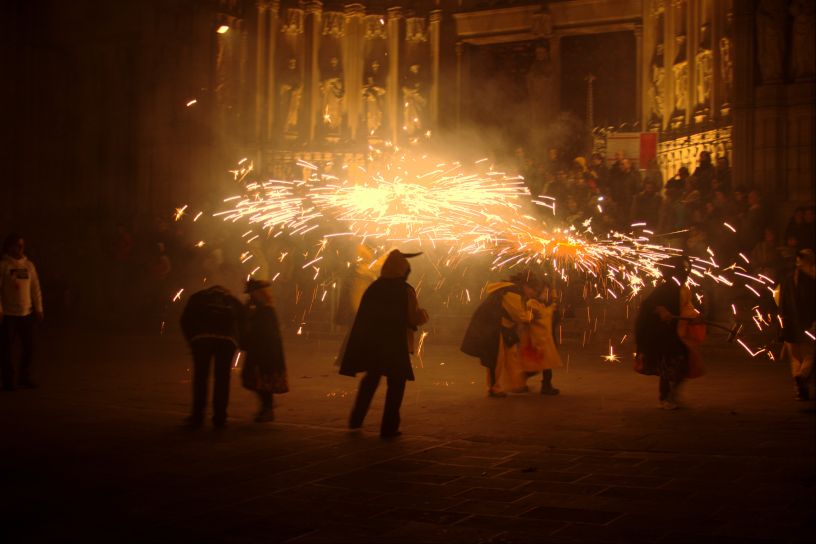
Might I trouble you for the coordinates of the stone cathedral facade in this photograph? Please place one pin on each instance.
(319, 79)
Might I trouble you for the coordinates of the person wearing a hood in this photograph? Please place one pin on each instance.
(381, 341)
(264, 368)
(666, 345)
(20, 304)
(494, 332)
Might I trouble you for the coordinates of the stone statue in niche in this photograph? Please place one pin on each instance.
(333, 94)
(658, 76)
(803, 62)
(704, 67)
(290, 93)
(540, 86)
(414, 101)
(680, 86)
(374, 99)
(727, 60)
(770, 21)
(680, 70)
(705, 77)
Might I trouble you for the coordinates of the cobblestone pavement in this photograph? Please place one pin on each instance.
(97, 453)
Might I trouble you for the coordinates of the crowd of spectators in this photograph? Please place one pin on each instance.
(695, 210)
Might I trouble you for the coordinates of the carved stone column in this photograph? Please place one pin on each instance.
(261, 67)
(314, 27)
(743, 98)
(270, 69)
(669, 52)
(353, 53)
(638, 32)
(394, 20)
(460, 49)
(434, 31)
(692, 44)
(245, 107)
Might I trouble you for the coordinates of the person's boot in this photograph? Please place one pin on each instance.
(265, 414)
(802, 392)
(546, 384)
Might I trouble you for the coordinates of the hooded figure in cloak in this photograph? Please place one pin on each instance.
(264, 369)
(381, 341)
(666, 345)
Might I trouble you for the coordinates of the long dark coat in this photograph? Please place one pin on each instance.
(378, 340)
(663, 351)
(265, 365)
(482, 335)
(796, 295)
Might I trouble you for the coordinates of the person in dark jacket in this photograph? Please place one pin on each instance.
(660, 349)
(211, 322)
(264, 368)
(381, 341)
(798, 315)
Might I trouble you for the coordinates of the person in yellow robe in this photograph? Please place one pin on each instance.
(538, 344)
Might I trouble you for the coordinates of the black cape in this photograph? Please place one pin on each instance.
(482, 335)
(796, 306)
(656, 339)
(378, 341)
(265, 365)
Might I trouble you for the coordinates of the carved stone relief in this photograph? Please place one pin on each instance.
(334, 24)
(416, 29)
(294, 22)
(374, 27)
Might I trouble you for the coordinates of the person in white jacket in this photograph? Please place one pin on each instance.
(20, 305)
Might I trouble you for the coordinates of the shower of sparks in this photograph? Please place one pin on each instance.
(451, 212)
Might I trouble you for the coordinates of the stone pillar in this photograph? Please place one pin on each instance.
(245, 107)
(434, 32)
(716, 16)
(743, 97)
(353, 52)
(460, 49)
(314, 27)
(642, 68)
(262, 64)
(692, 42)
(394, 95)
(273, 26)
(669, 52)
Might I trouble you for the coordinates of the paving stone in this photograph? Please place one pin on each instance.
(426, 516)
(564, 488)
(533, 474)
(572, 514)
(473, 471)
(497, 495)
(623, 480)
(487, 507)
(419, 501)
(489, 483)
(507, 523)
(413, 532)
(643, 493)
